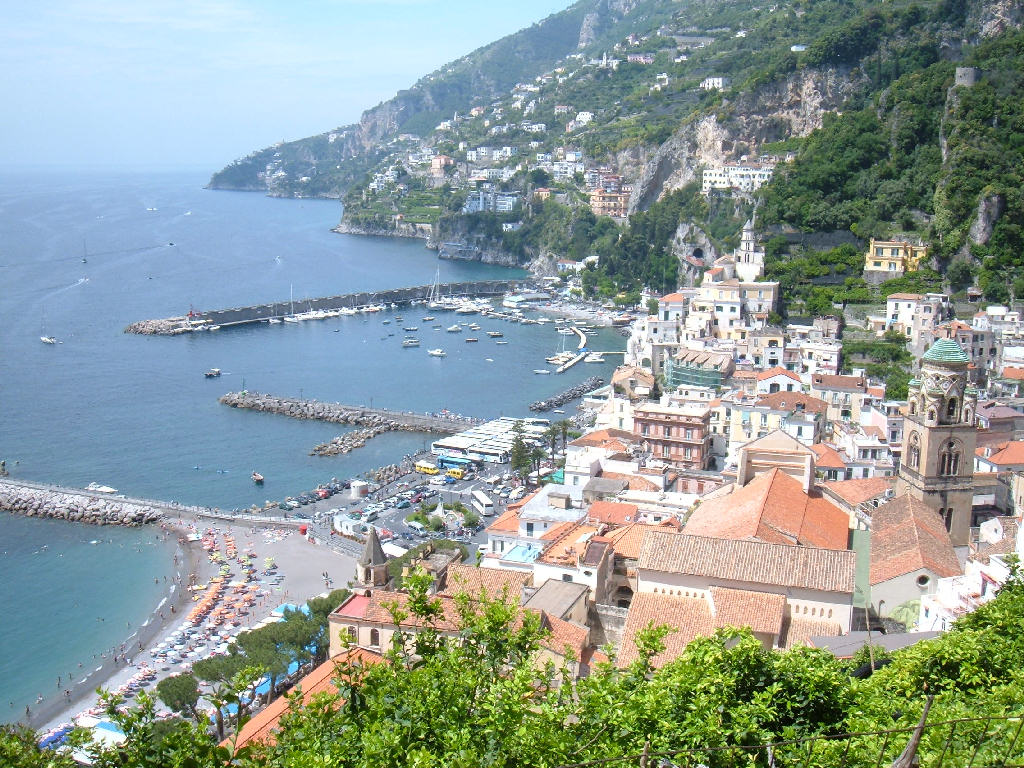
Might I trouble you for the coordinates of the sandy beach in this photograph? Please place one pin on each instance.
(299, 576)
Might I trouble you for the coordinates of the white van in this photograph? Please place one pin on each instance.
(416, 526)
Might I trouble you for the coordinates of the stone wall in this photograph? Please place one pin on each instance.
(74, 505)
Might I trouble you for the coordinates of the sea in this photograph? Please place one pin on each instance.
(83, 255)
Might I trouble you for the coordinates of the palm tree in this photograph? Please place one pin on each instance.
(563, 427)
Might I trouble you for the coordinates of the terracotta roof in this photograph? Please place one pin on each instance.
(755, 562)
(354, 607)
(798, 630)
(377, 611)
(745, 375)
(564, 636)
(494, 582)
(876, 391)
(998, 410)
(1009, 454)
(761, 611)
(777, 371)
(635, 482)
(626, 541)
(1012, 372)
(600, 437)
(689, 617)
(862, 489)
(778, 441)
(613, 512)
(673, 297)
(507, 522)
(825, 381)
(263, 725)
(905, 296)
(872, 431)
(907, 535)
(790, 401)
(772, 507)
(827, 457)
(692, 617)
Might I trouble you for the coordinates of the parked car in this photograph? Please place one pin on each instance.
(403, 504)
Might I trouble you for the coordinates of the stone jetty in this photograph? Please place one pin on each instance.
(357, 438)
(570, 394)
(377, 420)
(222, 318)
(75, 505)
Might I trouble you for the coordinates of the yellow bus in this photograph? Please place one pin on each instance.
(426, 468)
(455, 472)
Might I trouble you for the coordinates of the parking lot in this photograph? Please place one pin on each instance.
(387, 507)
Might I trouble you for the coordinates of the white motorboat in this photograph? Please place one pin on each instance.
(437, 352)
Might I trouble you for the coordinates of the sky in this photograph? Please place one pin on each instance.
(198, 83)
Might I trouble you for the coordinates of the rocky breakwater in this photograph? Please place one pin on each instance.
(171, 326)
(357, 438)
(373, 422)
(76, 506)
(570, 394)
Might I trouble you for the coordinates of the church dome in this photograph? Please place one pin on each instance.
(946, 351)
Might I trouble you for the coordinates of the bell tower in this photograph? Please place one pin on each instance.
(939, 438)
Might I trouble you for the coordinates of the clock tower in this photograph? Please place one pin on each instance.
(939, 438)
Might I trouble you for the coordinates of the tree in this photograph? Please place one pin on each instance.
(181, 694)
(266, 648)
(230, 676)
(537, 455)
(564, 426)
(519, 453)
(320, 608)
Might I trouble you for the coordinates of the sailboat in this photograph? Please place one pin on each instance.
(433, 298)
(291, 318)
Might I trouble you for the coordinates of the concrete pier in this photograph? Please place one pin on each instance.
(203, 321)
(380, 419)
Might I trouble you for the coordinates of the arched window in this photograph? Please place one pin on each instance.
(374, 638)
(913, 451)
(352, 634)
(931, 414)
(951, 408)
(913, 407)
(949, 459)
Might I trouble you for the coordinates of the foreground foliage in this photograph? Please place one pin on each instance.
(482, 700)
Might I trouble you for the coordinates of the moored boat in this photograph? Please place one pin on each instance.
(437, 352)
(410, 342)
(213, 373)
(48, 339)
(257, 478)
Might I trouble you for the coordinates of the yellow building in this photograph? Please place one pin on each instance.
(887, 259)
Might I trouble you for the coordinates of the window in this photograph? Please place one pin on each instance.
(951, 408)
(529, 529)
(566, 577)
(375, 638)
(913, 451)
(949, 459)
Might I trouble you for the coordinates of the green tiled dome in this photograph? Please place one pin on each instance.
(946, 351)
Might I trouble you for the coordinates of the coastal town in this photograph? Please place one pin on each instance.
(733, 473)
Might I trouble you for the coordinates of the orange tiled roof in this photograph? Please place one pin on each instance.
(862, 489)
(798, 630)
(627, 540)
(673, 297)
(599, 437)
(494, 582)
(827, 457)
(1010, 453)
(776, 371)
(825, 381)
(907, 535)
(635, 482)
(565, 636)
(779, 401)
(692, 617)
(1012, 372)
(507, 522)
(613, 512)
(772, 507)
(755, 562)
(378, 612)
(263, 725)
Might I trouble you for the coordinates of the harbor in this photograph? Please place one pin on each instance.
(323, 307)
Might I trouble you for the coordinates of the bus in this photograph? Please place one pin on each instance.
(482, 503)
(455, 462)
(455, 473)
(426, 468)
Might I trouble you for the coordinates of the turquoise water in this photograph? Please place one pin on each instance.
(136, 413)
